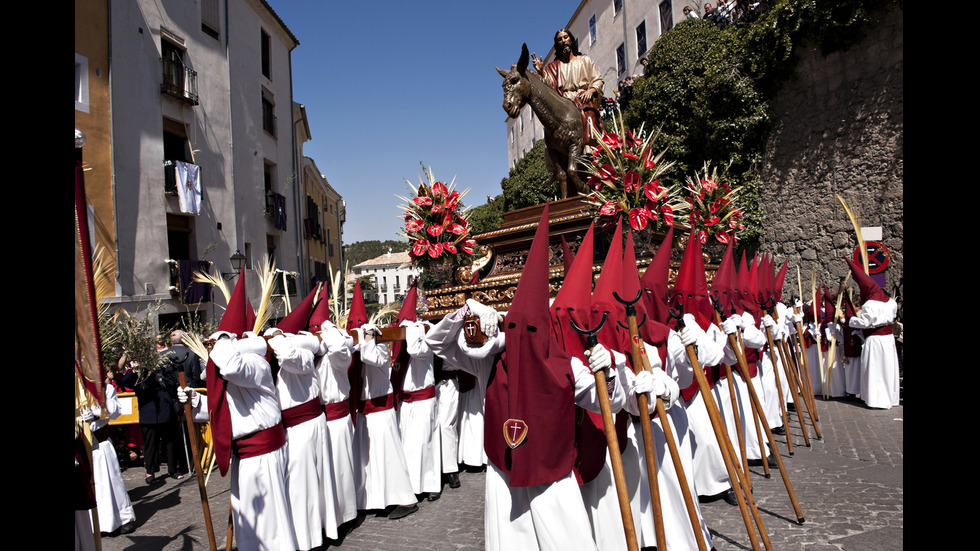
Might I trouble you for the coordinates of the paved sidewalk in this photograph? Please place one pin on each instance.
(849, 486)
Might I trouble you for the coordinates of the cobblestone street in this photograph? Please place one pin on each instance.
(849, 486)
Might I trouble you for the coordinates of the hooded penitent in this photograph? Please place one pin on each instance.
(691, 289)
(530, 404)
(650, 330)
(294, 322)
(234, 321)
(869, 289)
(573, 304)
(356, 318)
(691, 297)
(611, 334)
(408, 312)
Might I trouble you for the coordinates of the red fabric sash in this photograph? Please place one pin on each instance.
(879, 331)
(102, 435)
(261, 442)
(336, 410)
(374, 405)
(302, 413)
(426, 393)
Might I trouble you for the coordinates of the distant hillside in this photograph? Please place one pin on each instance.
(366, 250)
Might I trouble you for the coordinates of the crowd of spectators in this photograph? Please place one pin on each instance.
(729, 13)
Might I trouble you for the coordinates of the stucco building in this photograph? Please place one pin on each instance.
(195, 149)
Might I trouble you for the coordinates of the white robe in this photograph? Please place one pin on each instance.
(710, 473)
(879, 356)
(447, 411)
(677, 523)
(260, 506)
(112, 501)
(548, 516)
(297, 384)
(384, 478)
(417, 420)
(339, 475)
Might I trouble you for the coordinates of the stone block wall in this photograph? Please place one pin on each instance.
(838, 129)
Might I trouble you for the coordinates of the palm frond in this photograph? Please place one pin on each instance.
(196, 345)
(213, 279)
(267, 280)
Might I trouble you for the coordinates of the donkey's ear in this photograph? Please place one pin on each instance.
(523, 61)
(502, 72)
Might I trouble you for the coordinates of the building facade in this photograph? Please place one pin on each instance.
(393, 274)
(616, 34)
(199, 161)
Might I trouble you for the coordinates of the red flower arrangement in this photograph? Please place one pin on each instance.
(712, 208)
(436, 225)
(625, 172)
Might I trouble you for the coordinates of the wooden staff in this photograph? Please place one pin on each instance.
(807, 383)
(642, 361)
(718, 425)
(198, 468)
(735, 408)
(612, 441)
(743, 369)
(782, 405)
(790, 384)
(796, 389)
(743, 366)
(641, 400)
(791, 374)
(832, 353)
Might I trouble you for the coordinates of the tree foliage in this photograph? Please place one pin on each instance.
(487, 217)
(362, 251)
(710, 90)
(529, 182)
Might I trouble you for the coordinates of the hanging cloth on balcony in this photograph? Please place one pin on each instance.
(279, 214)
(189, 187)
(192, 292)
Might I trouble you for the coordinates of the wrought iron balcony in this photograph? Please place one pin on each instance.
(179, 81)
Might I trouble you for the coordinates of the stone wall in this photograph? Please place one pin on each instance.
(838, 129)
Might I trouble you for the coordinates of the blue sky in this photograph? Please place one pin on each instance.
(388, 85)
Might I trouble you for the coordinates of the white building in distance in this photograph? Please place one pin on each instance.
(393, 275)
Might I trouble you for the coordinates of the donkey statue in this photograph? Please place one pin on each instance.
(563, 128)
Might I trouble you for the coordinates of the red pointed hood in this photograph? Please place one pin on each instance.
(656, 279)
(611, 335)
(723, 286)
(574, 299)
(780, 279)
(299, 319)
(650, 330)
(321, 310)
(532, 383)
(566, 254)
(691, 288)
(869, 289)
(358, 313)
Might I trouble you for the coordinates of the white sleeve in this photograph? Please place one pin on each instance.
(242, 362)
(586, 393)
(875, 313)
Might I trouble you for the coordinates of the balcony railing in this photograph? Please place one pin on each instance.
(179, 81)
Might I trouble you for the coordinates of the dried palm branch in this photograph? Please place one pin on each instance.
(381, 317)
(267, 280)
(214, 279)
(196, 345)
